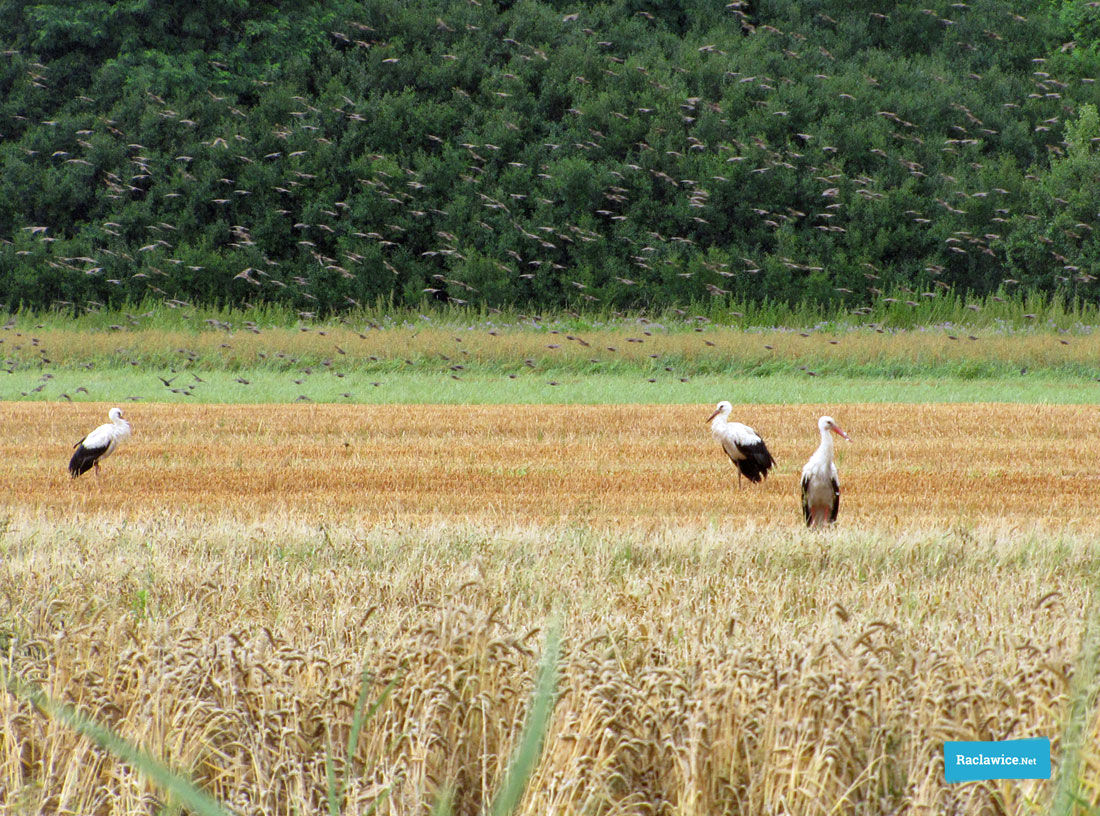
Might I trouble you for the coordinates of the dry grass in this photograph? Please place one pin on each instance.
(603, 466)
(712, 348)
(215, 594)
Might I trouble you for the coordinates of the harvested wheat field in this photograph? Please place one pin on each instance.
(216, 593)
(605, 466)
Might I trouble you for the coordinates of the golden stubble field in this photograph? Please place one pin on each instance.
(603, 466)
(216, 592)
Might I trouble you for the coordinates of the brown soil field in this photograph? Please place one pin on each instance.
(603, 466)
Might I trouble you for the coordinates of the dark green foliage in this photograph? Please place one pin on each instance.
(546, 155)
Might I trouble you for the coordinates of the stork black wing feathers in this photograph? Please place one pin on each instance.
(84, 458)
(757, 460)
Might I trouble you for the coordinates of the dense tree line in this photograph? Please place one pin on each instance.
(546, 154)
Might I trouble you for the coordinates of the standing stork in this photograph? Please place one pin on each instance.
(820, 487)
(99, 444)
(741, 443)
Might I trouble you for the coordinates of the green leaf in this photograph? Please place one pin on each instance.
(177, 787)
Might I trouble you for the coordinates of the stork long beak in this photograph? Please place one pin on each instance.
(838, 429)
(712, 416)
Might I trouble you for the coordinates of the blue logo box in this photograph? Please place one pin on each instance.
(1007, 759)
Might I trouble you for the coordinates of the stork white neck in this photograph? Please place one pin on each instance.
(826, 445)
(825, 449)
(122, 427)
(721, 415)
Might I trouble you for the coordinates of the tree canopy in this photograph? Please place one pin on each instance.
(546, 154)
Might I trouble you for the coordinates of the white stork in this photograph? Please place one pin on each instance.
(820, 487)
(741, 443)
(99, 444)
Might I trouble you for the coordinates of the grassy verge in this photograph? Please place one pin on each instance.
(898, 310)
(636, 361)
(544, 387)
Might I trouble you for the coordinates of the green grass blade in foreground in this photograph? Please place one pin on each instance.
(334, 789)
(179, 788)
(534, 730)
(444, 803)
(359, 718)
(1082, 703)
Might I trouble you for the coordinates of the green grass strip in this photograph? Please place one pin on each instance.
(894, 309)
(121, 387)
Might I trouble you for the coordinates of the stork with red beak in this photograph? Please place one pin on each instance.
(742, 445)
(820, 486)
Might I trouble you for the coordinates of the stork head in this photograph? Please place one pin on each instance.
(827, 423)
(115, 414)
(722, 408)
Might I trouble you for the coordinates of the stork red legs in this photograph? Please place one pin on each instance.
(99, 444)
(820, 486)
(742, 445)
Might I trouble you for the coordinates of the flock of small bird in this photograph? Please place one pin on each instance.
(405, 195)
(180, 378)
(743, 445)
